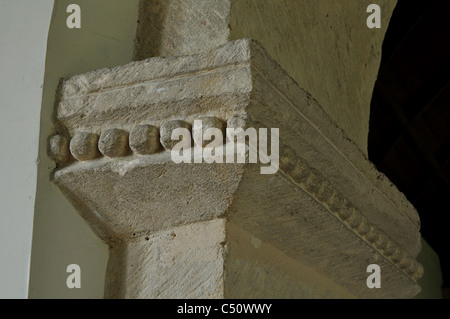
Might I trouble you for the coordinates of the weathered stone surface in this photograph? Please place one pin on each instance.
(209, 122)
(167, 129)
(174, 27)
(58, 148)
(142, 194)
(326, 209)
(256, 269)
(183, 262)
(114, 143)
(325, 46)
(83, 146)
(144, 139)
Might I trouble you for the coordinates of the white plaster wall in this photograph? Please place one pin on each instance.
(23, 38)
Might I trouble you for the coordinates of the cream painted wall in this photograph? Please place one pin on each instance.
(60, 236)
(23, 37)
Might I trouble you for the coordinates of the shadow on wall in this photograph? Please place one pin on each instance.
(409, 134)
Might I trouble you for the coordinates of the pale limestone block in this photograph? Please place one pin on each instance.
(174, 27)
(257, 269)
(167, 129)
(182, 262)
(83, 146)
(58, 149)
(325, 46)
(144, 139)
(114, 143)
(327, 209)
(207, 123)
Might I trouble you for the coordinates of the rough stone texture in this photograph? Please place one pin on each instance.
(327, 209)
(209, 122)
(325, 46)
(126, 197)
(167, 129)
(256, 269)
(184, 262)
(83, 146)
(174, 27)
(114, 143)
(58, 149)
(144, 139)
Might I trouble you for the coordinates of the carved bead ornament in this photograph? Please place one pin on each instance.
(147, 139)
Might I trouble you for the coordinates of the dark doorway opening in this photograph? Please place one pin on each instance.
(409, 138)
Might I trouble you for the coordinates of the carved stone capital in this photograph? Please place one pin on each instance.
(327, 212)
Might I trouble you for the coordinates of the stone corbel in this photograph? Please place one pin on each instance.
(226, 230)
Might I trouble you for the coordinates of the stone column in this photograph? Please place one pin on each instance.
(324, 45)
(224, 230)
